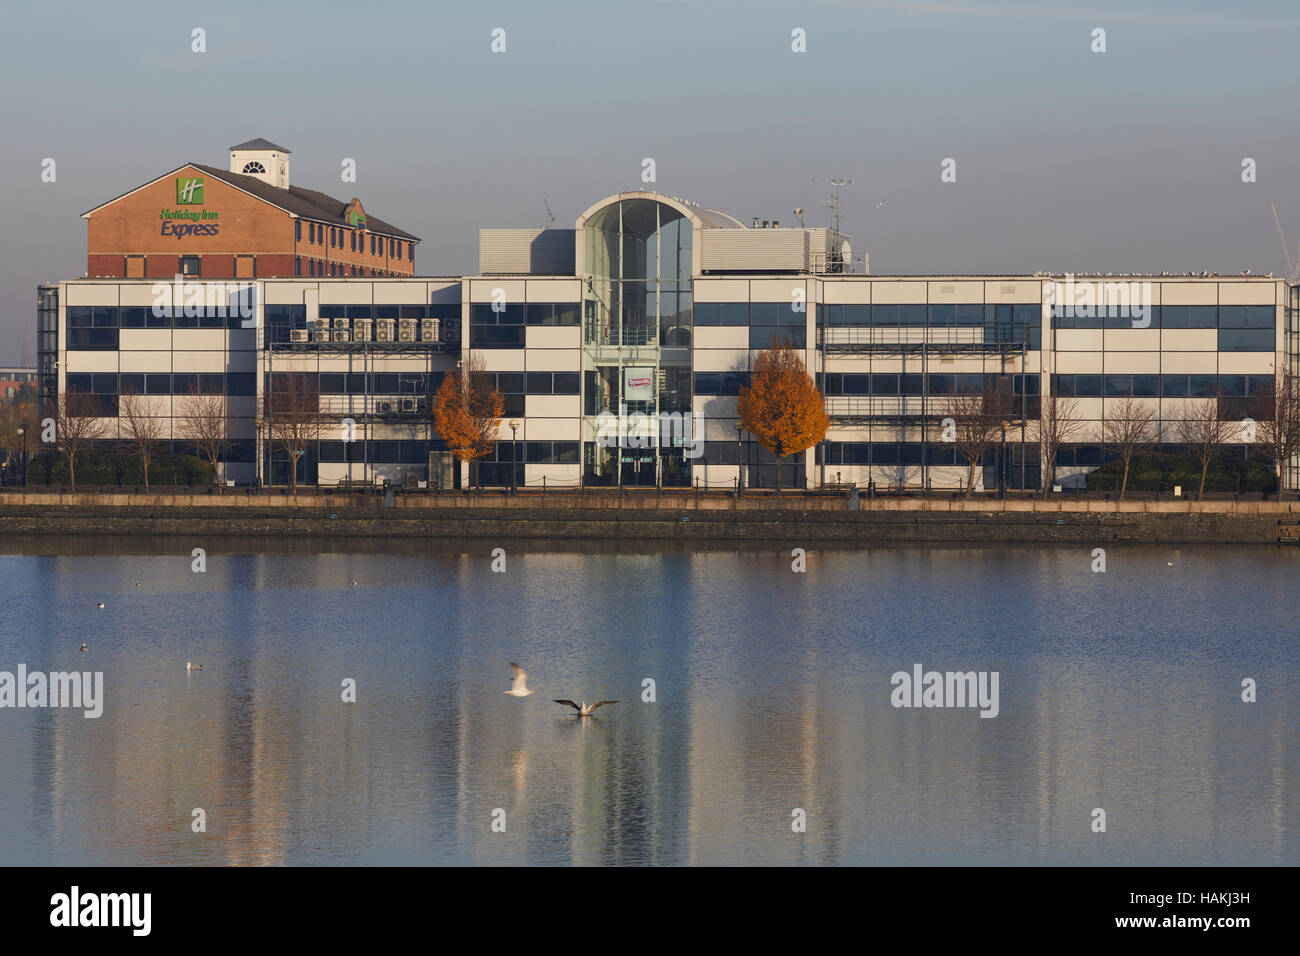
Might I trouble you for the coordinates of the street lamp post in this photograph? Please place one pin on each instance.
(740, 462)
(514, 449)
(1002, 463)
(22, 438)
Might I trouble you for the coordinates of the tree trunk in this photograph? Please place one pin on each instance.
(1124, 484)
(778, 477)
(72, 472)
(970, 478)
(1200, 492)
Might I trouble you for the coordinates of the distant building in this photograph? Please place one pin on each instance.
(246, 222)
(13, 379)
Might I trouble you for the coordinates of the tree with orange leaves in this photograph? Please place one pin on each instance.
(467, 411)
(782, 406)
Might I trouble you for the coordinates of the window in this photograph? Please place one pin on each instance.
(297, 230)
(254, 168)
(496, 330)
(1247, 340)
(190, 266)
(297, 265)
(720, 383)
(551, 313)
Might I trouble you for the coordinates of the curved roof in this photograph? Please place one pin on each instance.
(699, 216)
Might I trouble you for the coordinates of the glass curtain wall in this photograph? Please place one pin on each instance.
(637, 313)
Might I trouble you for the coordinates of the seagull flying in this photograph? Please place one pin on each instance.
(193, 667)
(582, 709)
(518, 686)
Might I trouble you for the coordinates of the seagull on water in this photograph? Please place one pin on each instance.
(193, 667)
(518, 686)
(100, 604)
(83, 645)
(582, 709)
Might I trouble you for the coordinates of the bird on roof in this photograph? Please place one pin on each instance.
(518, 686)
(582, 709)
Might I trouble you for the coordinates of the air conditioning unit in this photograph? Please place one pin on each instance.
(406, 330)
(321, 325)
(321, 335)
(340, 324)
(409, 405)
(429, 330)
(297, 335)
(383, 407)
(341, 336)
(361, 330)
(384, 330)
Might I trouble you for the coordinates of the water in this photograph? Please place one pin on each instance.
(1118, 690)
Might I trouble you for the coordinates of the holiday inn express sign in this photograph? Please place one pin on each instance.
(192, 222)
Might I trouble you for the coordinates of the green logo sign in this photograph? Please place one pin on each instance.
(358, 219)
(189, 191)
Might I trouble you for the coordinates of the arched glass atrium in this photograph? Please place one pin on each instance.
(637, 339)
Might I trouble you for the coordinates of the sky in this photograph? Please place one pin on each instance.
(1066, 159)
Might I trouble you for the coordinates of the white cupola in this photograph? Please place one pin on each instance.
(263, 159)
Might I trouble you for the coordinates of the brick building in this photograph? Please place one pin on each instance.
(246, 222)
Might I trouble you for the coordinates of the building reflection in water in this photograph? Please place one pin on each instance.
(771, 694)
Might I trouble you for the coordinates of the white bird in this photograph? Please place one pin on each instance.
(518, 686)
(100, 604)
(83, 645)
(582, 709)
(354, 582)
(193, 667)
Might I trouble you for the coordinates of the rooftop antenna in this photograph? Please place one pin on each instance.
(834, 202)
(550, 216)
(1293, 272)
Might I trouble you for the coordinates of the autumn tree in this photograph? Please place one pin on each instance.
(1128, 429)
(1204, 433)
(78, 424)
(978, 420)
(1059, 424)
(293, 417)
(782, 406)
(143, 430)
(467, 411)
(1276, 410)
(203, 420)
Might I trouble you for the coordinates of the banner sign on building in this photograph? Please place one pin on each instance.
(638, 384)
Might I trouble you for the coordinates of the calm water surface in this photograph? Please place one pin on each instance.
(1118, 690)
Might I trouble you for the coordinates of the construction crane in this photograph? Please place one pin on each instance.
(1292, 269)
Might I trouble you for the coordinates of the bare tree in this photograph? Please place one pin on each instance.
(977, 424)
(293, 416)
(1276, 410)
(204, 421)
(1059, 424)
(1128, 431)
(78, 424)
(144, 430)
(1205, 433)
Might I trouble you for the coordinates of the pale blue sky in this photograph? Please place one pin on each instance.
(1066, 160)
